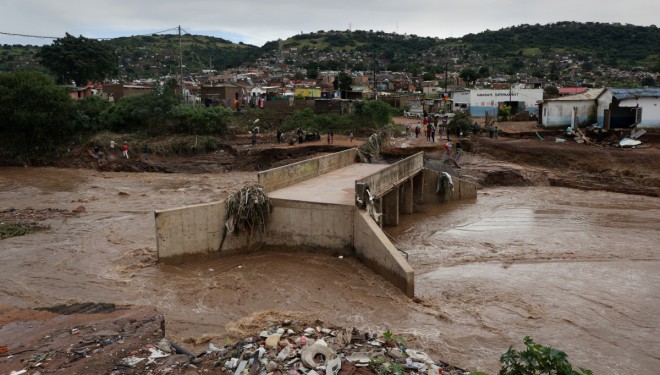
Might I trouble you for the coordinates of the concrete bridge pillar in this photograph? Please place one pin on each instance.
(418, 187)
(390, 207)
(406, 197)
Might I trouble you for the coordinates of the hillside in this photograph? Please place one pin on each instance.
(541, 51)
(157, 55)
(611, 44)
(564, 51)
(151, 56)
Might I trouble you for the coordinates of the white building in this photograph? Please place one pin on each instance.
(625, 108)
(481, 101)
(570, 110)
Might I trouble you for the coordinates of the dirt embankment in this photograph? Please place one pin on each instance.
(525, 155)
(237, 154)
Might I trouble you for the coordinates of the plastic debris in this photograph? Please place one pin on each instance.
(296, 349)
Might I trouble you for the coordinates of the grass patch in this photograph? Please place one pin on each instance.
(8, 230)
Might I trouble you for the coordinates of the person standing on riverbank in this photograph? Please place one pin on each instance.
(125, 150)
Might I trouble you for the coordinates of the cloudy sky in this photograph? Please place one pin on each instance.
(259, 21)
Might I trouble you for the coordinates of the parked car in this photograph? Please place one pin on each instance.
(413, 114)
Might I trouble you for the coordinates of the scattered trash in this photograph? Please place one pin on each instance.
(560, 140)
(629, 142)
(131, 361)
(294, 348)
(638, 134)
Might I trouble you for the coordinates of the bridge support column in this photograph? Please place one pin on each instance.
(390, 207)
(406, 196)
(418, 187)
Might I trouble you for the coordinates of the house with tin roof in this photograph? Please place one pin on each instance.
(628, 108)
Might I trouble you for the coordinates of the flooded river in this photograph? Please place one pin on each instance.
(576, 270)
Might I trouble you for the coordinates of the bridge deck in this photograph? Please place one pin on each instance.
(336, 187)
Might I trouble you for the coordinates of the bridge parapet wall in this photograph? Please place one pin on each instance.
(284, 176)
(389, 178)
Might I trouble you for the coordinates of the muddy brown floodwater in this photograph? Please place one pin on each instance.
(576, 270)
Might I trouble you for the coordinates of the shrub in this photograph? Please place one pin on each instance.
(463, 120)
(537, 359)
(148, 112)
(199, 119)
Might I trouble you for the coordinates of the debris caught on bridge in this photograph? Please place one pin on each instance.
(247, 211)
(445, 187)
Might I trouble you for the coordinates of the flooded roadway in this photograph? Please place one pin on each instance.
(575, 270)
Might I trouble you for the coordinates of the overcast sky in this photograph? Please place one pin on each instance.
(259, 21)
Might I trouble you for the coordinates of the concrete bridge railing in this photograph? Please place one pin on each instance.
(389, 178)
(287, 175)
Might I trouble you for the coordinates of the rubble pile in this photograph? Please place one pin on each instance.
(291, 348)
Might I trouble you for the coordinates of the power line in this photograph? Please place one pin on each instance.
(30, 36)
(58, 37)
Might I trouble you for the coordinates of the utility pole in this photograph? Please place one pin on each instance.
(446, 72)
(375, 86)
(180, 64)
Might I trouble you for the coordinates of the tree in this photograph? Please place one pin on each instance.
(428, 76)
(375, 113)
(150, 112)
(35, 113)
(551, 91)
(312, 70)
(484, 72)
(648, 81)
(343, 82)
(468, 75)
(78, 59)
(538, 73)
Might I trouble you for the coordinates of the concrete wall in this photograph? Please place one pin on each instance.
(376, 251)
(278, 178)
(310, 225)
(194, 230)
(557, 112)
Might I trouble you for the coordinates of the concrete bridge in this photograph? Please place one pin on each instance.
(329, 203)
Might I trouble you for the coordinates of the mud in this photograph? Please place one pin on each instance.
(575, 269)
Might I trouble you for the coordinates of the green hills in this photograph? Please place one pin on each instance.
(538, 50)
